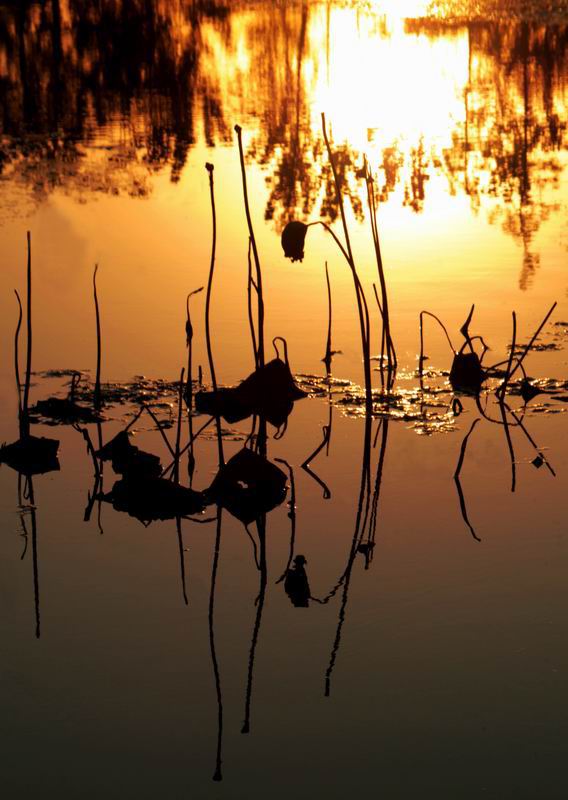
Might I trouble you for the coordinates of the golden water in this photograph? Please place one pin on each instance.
(448, 681)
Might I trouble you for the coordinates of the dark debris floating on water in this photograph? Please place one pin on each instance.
(61, 411)
(128, 460)
(248, 485)
(150, 499)
(31, 455)
(270, 391)
(466, 374)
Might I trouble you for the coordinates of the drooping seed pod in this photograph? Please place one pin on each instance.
(293, 238)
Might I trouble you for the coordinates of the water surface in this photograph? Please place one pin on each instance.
(443, 656)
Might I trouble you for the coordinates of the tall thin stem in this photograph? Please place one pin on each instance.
(260, 332)
(35, 560)
(360, 294)
(17, 357)
(178, 431)
(337, 190)
(210, 168)
(391, 353)
(509, 445)
(217, 775)
(250, 285)
(327, 357)
(189, 382)
(503, 388)
(24, 420)
(181, 560)
(531, 342)
(97, 393)
(362, 507)
(261, 529)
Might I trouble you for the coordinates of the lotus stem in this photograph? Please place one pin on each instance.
(97, 391)
(178, 431)
(16, 356)
(24, 419)
(384, 307)
(260, 348)
(360, 294)
(210, 168)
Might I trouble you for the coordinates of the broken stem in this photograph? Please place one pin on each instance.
(458, 482)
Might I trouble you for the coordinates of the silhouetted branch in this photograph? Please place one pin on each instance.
(458, 482)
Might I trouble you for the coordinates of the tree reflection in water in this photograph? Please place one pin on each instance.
(98, 96)
(509, 146)
(121, 75)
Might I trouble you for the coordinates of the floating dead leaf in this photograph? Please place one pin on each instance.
(31, 455)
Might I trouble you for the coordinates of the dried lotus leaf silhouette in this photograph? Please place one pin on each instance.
(64, 410)
(128, 460)
(31, 455)
(149, 499)
(142, 492)
(248, 485)
(270, 391)
(466, 374)
(528, 390)
(293, 238)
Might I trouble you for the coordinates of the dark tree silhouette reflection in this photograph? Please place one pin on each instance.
(508, 148)
(290, 147)
(120, 75)
(98, 95)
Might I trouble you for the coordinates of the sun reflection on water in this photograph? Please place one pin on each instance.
(463, 122)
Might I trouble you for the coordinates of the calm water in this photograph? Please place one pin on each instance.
(443, 658)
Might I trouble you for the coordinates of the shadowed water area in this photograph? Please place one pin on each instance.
(297, 567)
